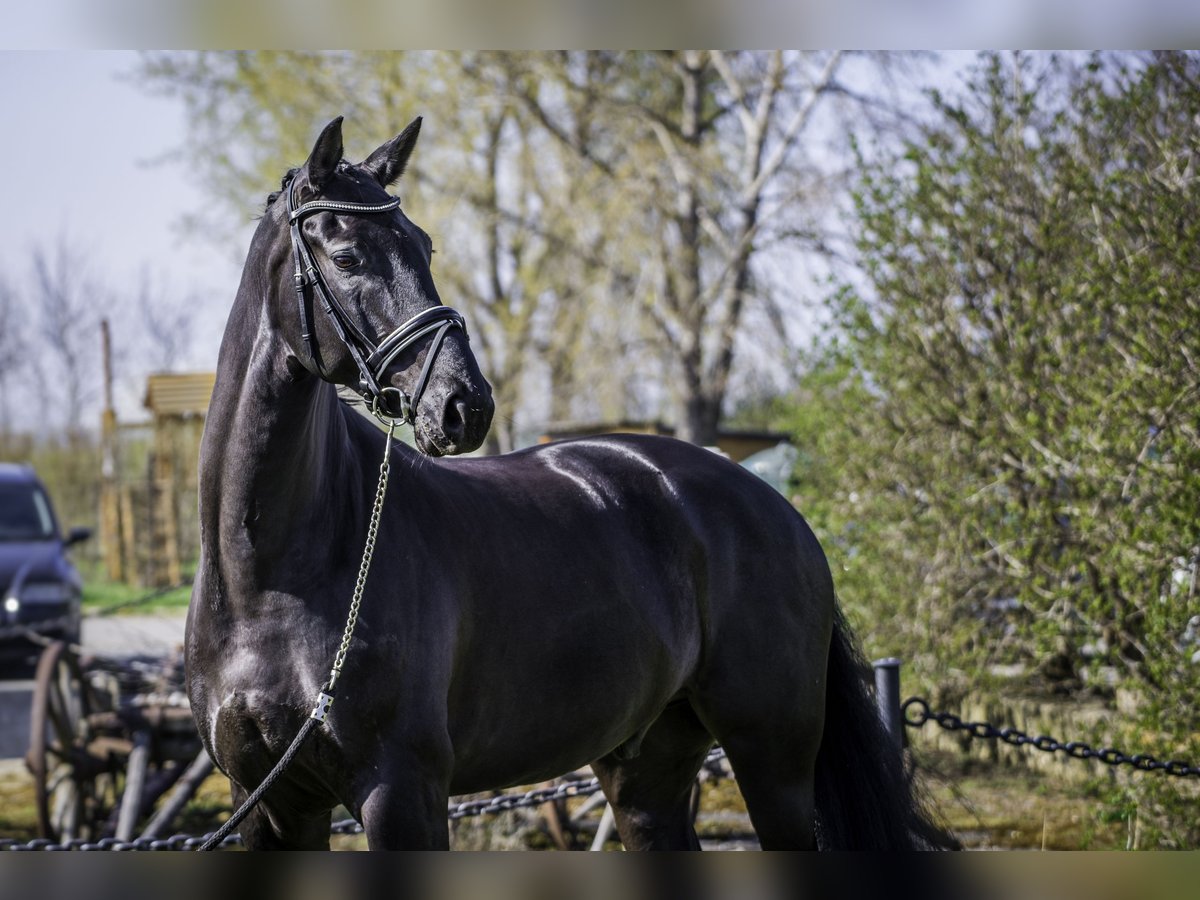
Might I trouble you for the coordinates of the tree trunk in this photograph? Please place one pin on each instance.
(701, 416)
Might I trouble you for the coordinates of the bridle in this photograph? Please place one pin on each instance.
(372, 359)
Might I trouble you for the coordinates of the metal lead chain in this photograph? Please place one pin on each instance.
(368, 551)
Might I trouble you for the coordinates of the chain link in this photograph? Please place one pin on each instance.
(175, 842)
(581, 787)
(916, 712)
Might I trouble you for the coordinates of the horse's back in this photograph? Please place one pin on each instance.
(740, 518)
(678, 530)
(646, 485)
(761, 585)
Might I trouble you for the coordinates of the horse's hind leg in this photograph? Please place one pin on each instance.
(772, 738)
(649, 786)
(776, 781)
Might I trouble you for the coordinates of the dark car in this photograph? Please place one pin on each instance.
(39, 586)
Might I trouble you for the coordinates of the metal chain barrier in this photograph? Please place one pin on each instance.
(176, 842)
(916, 712)
(465, 809)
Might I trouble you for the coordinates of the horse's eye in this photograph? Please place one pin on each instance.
(345, 260)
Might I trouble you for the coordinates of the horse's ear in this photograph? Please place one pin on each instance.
(326, 154)
(387, 163)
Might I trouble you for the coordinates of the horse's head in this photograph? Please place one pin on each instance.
(357, 305)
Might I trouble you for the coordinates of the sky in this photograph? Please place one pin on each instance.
(86, 154)
(94, 153)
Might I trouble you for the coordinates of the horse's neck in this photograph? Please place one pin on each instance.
(277, 456)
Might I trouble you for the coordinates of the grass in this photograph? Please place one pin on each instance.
(991, 806)
(110, 597)
(18, 817)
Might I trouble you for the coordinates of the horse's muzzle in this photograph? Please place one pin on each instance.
(457, 424)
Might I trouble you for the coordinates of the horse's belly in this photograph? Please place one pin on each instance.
(564, 702)
(547, 750)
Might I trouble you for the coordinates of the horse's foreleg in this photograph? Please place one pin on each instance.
(272, 829)
(407, 810)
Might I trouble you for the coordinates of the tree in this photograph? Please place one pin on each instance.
(601, 215)
(528, 216)
(710, 157)
(11, 341)
(165, 320)
(66, 300)
(1021, 467)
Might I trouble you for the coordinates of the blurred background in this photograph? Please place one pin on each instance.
(953, 298)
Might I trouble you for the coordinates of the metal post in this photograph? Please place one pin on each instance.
(607, 824)
(887, 696)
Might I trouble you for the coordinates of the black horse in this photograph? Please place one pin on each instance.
(620, 601)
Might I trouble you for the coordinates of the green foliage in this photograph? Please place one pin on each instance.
(1003, 447)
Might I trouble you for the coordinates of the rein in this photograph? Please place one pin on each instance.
(372, 359)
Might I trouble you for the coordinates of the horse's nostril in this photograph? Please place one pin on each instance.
(454, 421)
(465, 420)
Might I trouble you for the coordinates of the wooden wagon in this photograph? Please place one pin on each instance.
(109, 737)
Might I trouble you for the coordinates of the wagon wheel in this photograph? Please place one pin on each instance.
(74, 789)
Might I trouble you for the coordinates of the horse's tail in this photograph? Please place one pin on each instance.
(864, 797)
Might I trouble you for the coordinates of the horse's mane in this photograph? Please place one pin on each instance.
(290, 175)
(283, 186)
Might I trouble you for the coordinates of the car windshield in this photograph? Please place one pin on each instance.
(24, 513)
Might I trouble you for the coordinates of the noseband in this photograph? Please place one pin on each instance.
(372, 359)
